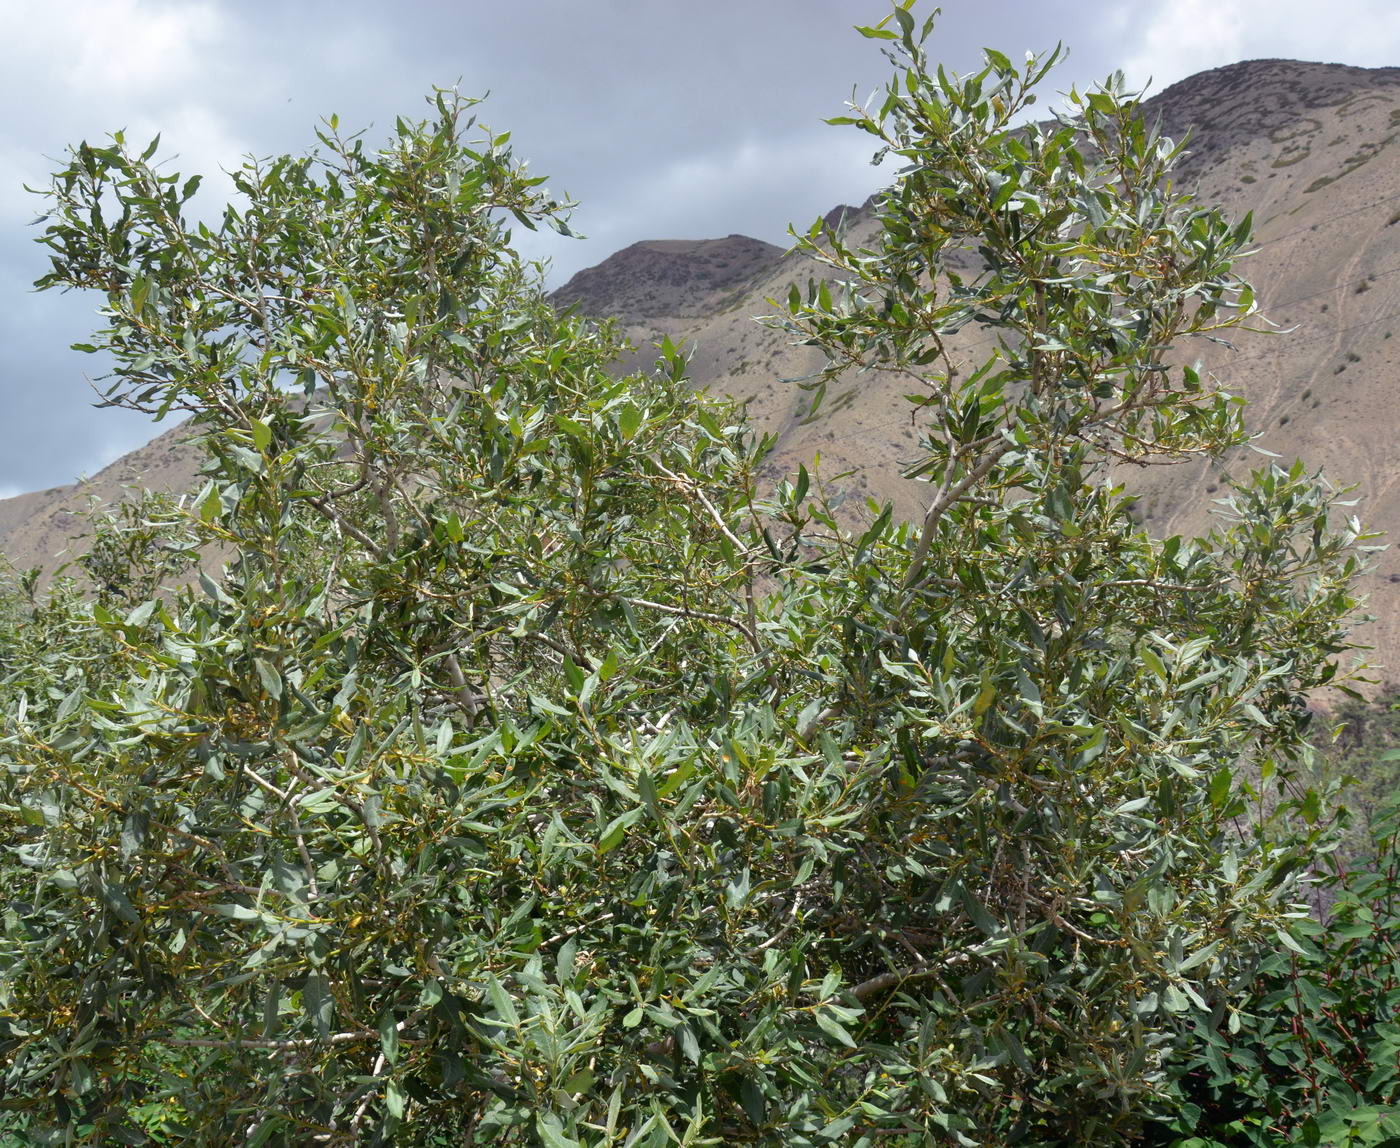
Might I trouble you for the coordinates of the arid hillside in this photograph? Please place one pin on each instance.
(1311, 149)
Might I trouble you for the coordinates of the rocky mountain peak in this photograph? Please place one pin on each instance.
(1278, 102)
(682, 278)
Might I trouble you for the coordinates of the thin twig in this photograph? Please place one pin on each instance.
(350, 528)
(689, 612)
(293, 1045)
(946, 498)
(927, 970)
(369, 1092)
(350, 803)
(714, 514)
(465, 698)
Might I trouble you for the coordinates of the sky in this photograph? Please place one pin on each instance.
(664, 119)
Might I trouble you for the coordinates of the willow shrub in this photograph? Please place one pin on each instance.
(1311, 1054)
(527, 775)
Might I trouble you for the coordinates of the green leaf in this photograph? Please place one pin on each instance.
(833, 1027)
(629, 419)
(501, 1002)
(551, 1132)
(574, 674)
(985, 922)
(318, 1004)
(394, 1099)
(573, 428)
(616, 830)
(134, 831)
(236, 911)
(1153, 662)
(1200, 956)
(141, 615)
(269, 677)
(565, 966)
(209, 505)
(646, 788)
(690, 1047)
(1220, 785)
(983, 702)
(389, 1038)
(119, 904)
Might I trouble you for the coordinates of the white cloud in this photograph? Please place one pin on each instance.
(88, 67)
(115, 50)
(1177, 38)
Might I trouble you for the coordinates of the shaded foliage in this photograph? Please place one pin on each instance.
(1359, 746)
(1312, 1054)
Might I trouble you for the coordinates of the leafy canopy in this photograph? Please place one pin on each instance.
(519, 769)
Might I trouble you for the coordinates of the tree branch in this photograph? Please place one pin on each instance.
(379, 553)
(270, 1045)
(688, 612)
(939, 507)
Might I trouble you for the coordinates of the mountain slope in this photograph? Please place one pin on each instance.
(45, 528)
(1310, 148)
